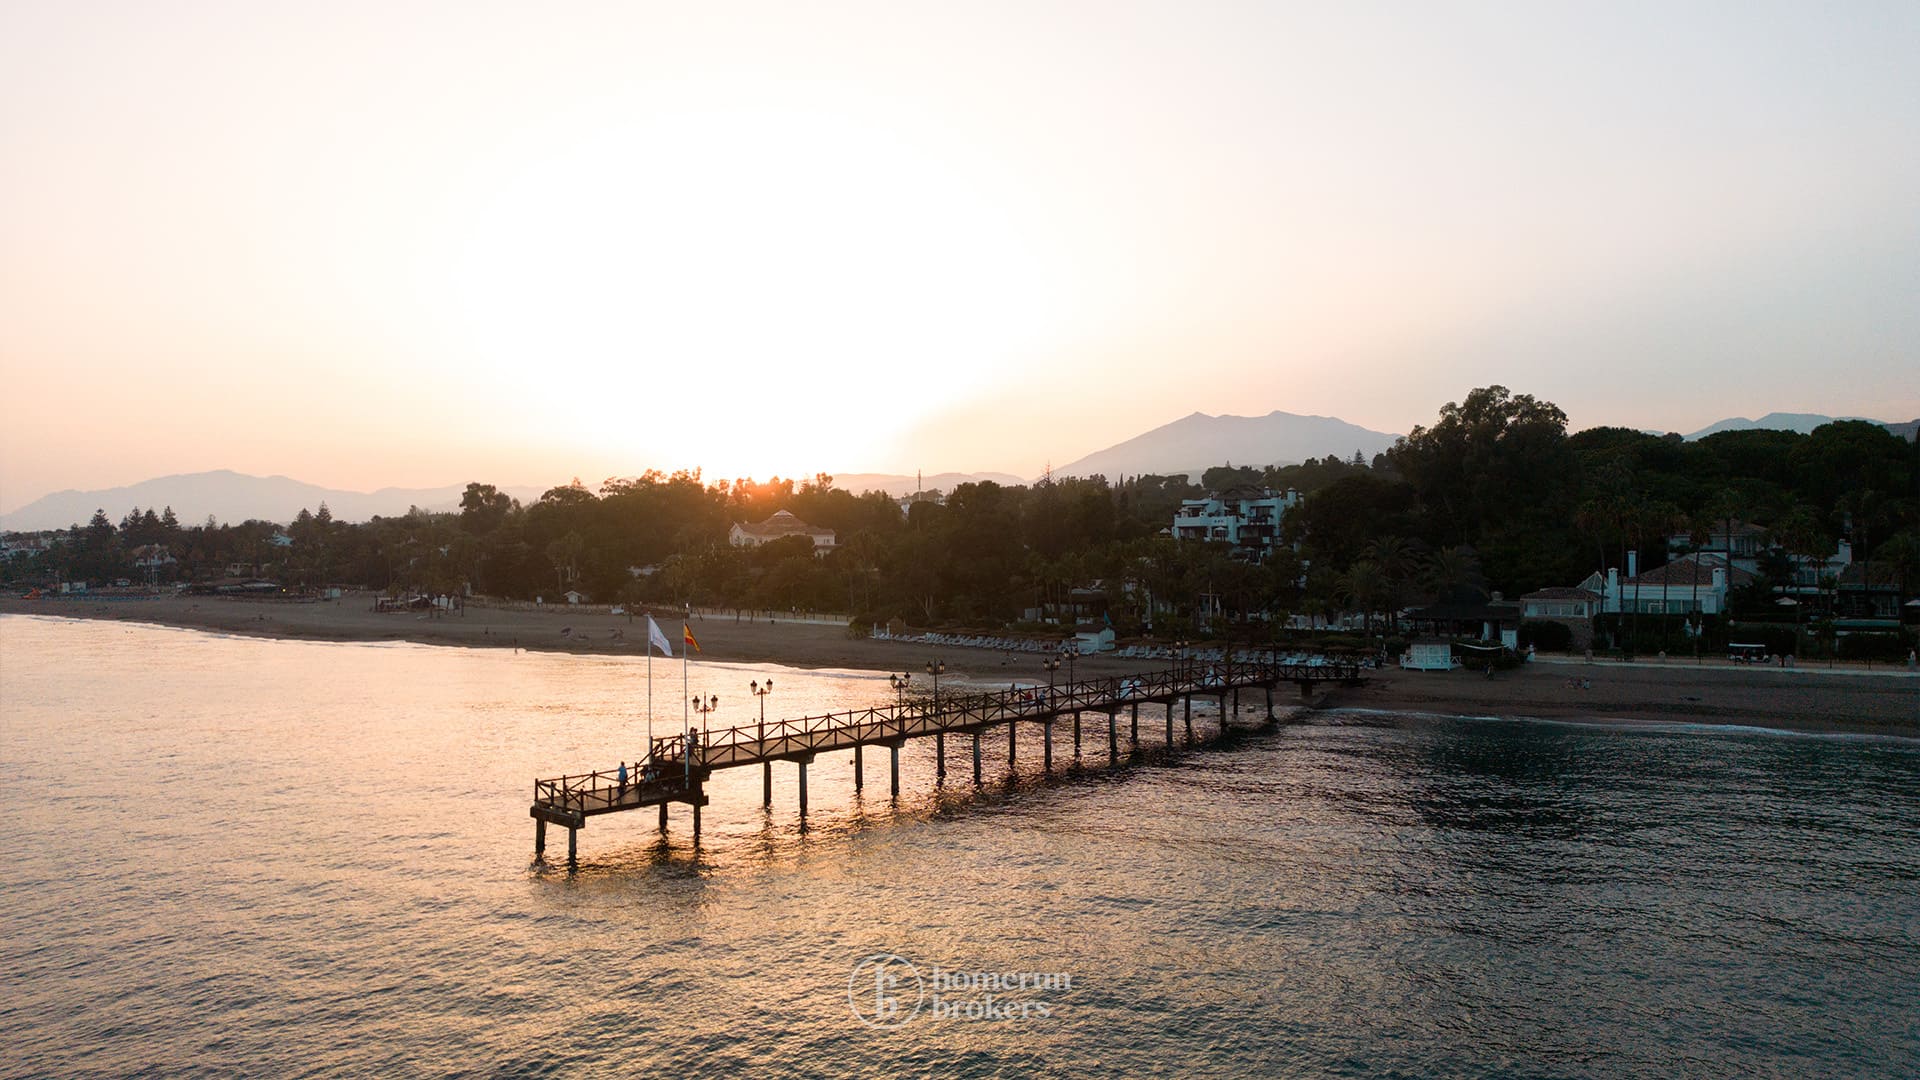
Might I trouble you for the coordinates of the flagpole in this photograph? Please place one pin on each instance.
(649, 757)
(686, 708)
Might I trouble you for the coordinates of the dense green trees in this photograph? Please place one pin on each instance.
(1495, 494)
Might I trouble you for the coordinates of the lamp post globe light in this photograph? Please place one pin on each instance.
(936, 668)
(1052, 664)
(899, 684)
(704, 707)
(761, 690)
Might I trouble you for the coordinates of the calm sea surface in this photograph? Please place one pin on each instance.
(244, 857)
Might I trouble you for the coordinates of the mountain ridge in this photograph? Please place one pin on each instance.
(1802, 423)
(1199, 440)
(231, 496)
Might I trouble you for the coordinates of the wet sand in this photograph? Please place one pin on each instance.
(1811, 698)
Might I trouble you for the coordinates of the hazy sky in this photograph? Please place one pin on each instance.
(416, 244)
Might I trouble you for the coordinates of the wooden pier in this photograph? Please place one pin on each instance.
(676, 772)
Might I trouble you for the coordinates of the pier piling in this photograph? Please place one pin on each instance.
(680, 767)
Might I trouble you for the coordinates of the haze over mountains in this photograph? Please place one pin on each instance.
(1803, 423)
(1198, 442)
(902, 486)
(233, 497)
(1189, 445)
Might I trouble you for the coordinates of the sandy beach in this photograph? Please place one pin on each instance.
(1849, 699)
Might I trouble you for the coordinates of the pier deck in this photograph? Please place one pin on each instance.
(677, 767)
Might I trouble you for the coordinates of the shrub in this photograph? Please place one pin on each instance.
(1546, 636)
(1874, 647)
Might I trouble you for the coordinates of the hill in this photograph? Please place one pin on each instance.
(1804, 423)
(901, 486)
(1197, 442)
(231, 496)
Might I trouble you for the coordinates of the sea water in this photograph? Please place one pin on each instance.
(234, 856)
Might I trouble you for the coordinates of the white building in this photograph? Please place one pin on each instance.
(1690, 583)
(778, 527)
(1243, 517)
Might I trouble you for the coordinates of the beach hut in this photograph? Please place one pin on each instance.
(1433, 654)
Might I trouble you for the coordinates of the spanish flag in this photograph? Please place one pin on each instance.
(688, 631)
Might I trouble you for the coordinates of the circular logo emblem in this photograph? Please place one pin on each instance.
(885, 991)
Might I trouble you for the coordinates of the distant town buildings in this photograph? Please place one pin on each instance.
(1247, 518)
(778, 527)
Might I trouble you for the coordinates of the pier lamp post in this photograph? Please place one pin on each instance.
(936, 668)
(1052, 664)
(711, 703)
(761, 691)
(766, 768)
(1180, 659)
(899, 684)
(1072, 653)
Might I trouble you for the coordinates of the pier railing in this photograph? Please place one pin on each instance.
(673, 761)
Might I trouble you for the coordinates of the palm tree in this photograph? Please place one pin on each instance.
(1699, 531)
(1363, 586)
(1397, 560)
(1452, 569)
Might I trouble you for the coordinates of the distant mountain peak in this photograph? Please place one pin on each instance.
(1199, 441)
(1803, 423)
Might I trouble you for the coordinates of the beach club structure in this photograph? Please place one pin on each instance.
(677, 767)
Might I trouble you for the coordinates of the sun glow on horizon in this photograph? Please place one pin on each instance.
(739, 278)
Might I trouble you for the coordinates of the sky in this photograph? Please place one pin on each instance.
(373, 244)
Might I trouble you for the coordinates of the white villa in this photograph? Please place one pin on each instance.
(1690, 583)
(1244, 517)
(778, 527)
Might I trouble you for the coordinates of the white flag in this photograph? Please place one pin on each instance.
(655, 637)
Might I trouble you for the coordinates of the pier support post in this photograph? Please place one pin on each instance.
(1046, 740)
(663, 817)
(803, 789)
(976, 759)
(1113, 737)
(766, 786)
(1076, 735)
(894, 770)
(1011, 734)
(539, 837)
(940, 756)
(1134, 736)
(1306, 690)
(1187, 708)
(859, 770)
(1236, 703)
(1169, 723)
(1269, 702)
(573, 849)
(696, 817)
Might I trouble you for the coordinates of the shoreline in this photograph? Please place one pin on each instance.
(1844, 699)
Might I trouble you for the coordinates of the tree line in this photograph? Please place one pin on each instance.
(1495, 494)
